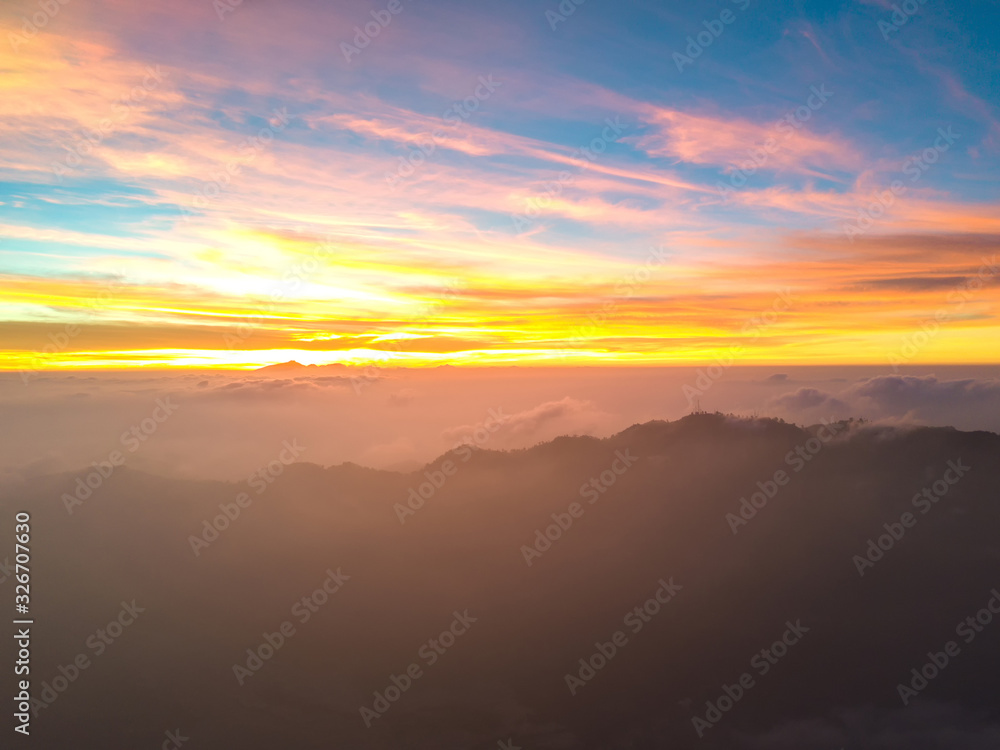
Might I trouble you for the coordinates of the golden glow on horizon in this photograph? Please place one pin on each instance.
(470, 320)
(309, 256)
(961, 346)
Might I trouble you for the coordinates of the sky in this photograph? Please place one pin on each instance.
(405, 182)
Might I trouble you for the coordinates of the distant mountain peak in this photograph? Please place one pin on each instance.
(283, 366)
(291, 366)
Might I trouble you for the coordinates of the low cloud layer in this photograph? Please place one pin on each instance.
(226, 425)
(922, 399)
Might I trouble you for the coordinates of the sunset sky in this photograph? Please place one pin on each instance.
(212, 185)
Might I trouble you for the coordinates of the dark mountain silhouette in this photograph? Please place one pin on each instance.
(667, 496)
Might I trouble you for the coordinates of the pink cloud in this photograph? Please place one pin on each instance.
(704, 139)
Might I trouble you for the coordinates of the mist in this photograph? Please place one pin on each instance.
(226, 425)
